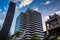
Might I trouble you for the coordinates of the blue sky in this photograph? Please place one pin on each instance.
(45, 7)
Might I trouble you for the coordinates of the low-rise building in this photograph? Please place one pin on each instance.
(53, 25)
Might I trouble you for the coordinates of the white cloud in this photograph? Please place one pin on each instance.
(15, 1)
(58, 12)
(47, 2)
(2, 16)
(36, 9)
(1, 21)
(24, 3)
(43, 21)
(5, 8)
(0, 10)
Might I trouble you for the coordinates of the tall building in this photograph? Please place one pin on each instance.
(17, 25)
(8, 21)
(31, 23)
(53, 25)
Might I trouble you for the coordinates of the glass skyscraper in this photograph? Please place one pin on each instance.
(17, 25)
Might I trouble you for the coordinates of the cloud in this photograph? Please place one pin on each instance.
(58, 12)
(47, 2)
(0, 10)
(6, 8)
(36, 9)
(2, 16)
(24, 3)
(1, 21)
(43, 21)
(15, 1)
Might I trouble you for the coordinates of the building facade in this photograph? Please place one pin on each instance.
(31, 23)
(53, 25)
(17, 25)
(7, 22)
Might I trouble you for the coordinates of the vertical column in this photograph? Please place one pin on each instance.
(47, 28)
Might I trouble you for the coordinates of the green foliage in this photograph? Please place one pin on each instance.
(35, 37)
(17, 33)
(49, 37)
(24, 39)
(9, 38)
(52, 37)
(46, 37)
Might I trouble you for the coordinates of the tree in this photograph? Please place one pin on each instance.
(24, 39)
(17, 33)
(35, 37)
(46, 37)
(9, 37)
(50, 37)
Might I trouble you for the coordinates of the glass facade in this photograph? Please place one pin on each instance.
(17, 25)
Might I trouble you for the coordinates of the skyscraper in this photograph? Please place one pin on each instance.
(31, 23)
(17, 25)
(8, 21)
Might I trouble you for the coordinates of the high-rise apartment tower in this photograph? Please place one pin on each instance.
(31, 23)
